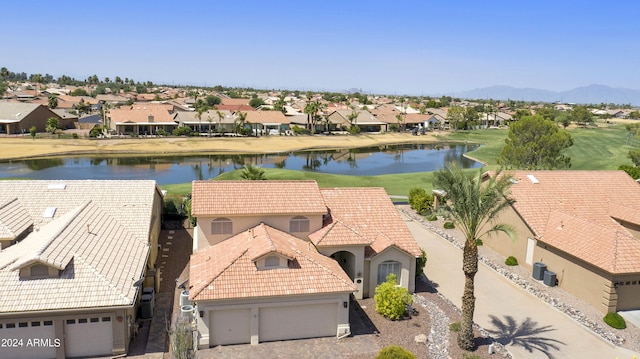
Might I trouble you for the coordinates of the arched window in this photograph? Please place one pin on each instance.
(272, 261)
(39, 270)
(387, 267)
(221, 226)
(299, 224)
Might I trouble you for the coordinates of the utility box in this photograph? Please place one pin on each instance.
(538, 270)
(146, 306)
(550, 278)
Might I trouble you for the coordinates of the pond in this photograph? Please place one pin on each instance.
(367, 161)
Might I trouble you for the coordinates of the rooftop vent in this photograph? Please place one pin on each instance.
(533, 179)
(57, 186)
(49, 212)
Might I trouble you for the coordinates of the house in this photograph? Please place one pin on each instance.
(268, 122)
(140, 120)
(209, 121)
(17, 117)
(75, 257)
(584, 226)
(339, 119)
(279, 260)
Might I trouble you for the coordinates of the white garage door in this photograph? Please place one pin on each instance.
(230, 326)
(88, 336)
(32, 339)
(297, 322)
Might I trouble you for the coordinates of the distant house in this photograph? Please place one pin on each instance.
(75, 257)
(366, 121)
(17, 118)
(584, 227)
(278, 260)
(140, 120)
(267, 122)
(208, 122)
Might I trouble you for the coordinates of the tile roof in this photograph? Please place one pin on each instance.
(267, 117)
(256, 197)
(227, 270)
(16, 110)
(371, 213)
(141, 114)
(588, 206)
(235, 108)
(338, 234)
(14, 219)
(98, 238)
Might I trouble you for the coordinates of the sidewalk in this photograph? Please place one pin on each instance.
(528, 327)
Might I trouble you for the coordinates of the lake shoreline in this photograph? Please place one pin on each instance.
(27, 148)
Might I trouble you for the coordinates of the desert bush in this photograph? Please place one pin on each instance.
(391, 300)
(479, 242)
(420, 200)
(395, 352)
(432, 217)
(511, 261)
(449, 225)
(615, 320)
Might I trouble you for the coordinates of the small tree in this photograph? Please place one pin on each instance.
(390, 299)
(420, 263)
(420, 200)
(52, 125)
(32, 131)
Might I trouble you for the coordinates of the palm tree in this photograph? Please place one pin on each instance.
(253, 173)
(4, 73)
(238, 125)
(474, 206)
(201, 107)
(53, 101)
(220, 117)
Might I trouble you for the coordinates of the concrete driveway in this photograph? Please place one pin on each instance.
(527, 326)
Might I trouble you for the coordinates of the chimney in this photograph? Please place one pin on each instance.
(150, 118)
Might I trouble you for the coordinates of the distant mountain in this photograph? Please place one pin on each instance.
(592, 94)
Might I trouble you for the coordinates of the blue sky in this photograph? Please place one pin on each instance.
(394, 47)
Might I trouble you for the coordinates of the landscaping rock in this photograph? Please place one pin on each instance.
(421, 339)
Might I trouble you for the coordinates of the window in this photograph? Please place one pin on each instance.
(48, 322)
(272, 261)
(35, 324)
(386, 268)
(71, 321)
(23, 324)
(95, 320)
(221, 226)
(82, 320)
(299, 224)
(10, 325)
(39, 270)
(106, 319)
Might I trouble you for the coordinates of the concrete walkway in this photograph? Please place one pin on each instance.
(528, 327)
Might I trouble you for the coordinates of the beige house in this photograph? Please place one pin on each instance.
(279, 260)
(18, 117)
(140, 120)
(584, 226)
(75, 257)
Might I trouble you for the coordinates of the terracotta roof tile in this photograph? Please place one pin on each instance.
(371, 212)
(256, 197)
(588, 206)
(227, 270)
(338, 234)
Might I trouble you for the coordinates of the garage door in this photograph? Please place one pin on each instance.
(297, 322)
(19, 339)
(629, 295)
(230, 326)
(88, 336)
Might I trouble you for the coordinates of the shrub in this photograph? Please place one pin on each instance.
(95, 131)
(162, 132)
(420, 200)
(511, 261)
(421, 262)
(74, 136)
(395, 352)
(390, 299)
(449, 225)
(299, 130)
(615, 320)
(479, 242)
(182, 131)
(455, 327)
(354, 130)
(471, 356)
(432, 218)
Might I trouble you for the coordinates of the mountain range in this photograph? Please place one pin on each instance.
(592, 94)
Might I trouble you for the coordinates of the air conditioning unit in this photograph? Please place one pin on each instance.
(550, 278)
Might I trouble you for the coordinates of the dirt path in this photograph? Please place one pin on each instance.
(22, 147)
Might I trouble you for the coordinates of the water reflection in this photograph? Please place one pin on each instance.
(179, 169)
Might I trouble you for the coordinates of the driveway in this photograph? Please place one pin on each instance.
(527, 326)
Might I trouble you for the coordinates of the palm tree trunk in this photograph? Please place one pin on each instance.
(466, 339)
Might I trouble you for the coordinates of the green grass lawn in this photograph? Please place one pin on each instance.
(601, 148)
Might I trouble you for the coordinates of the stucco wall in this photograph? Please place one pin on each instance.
(407, 269)
(503, 244)
(356, 270)
(241, 224)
